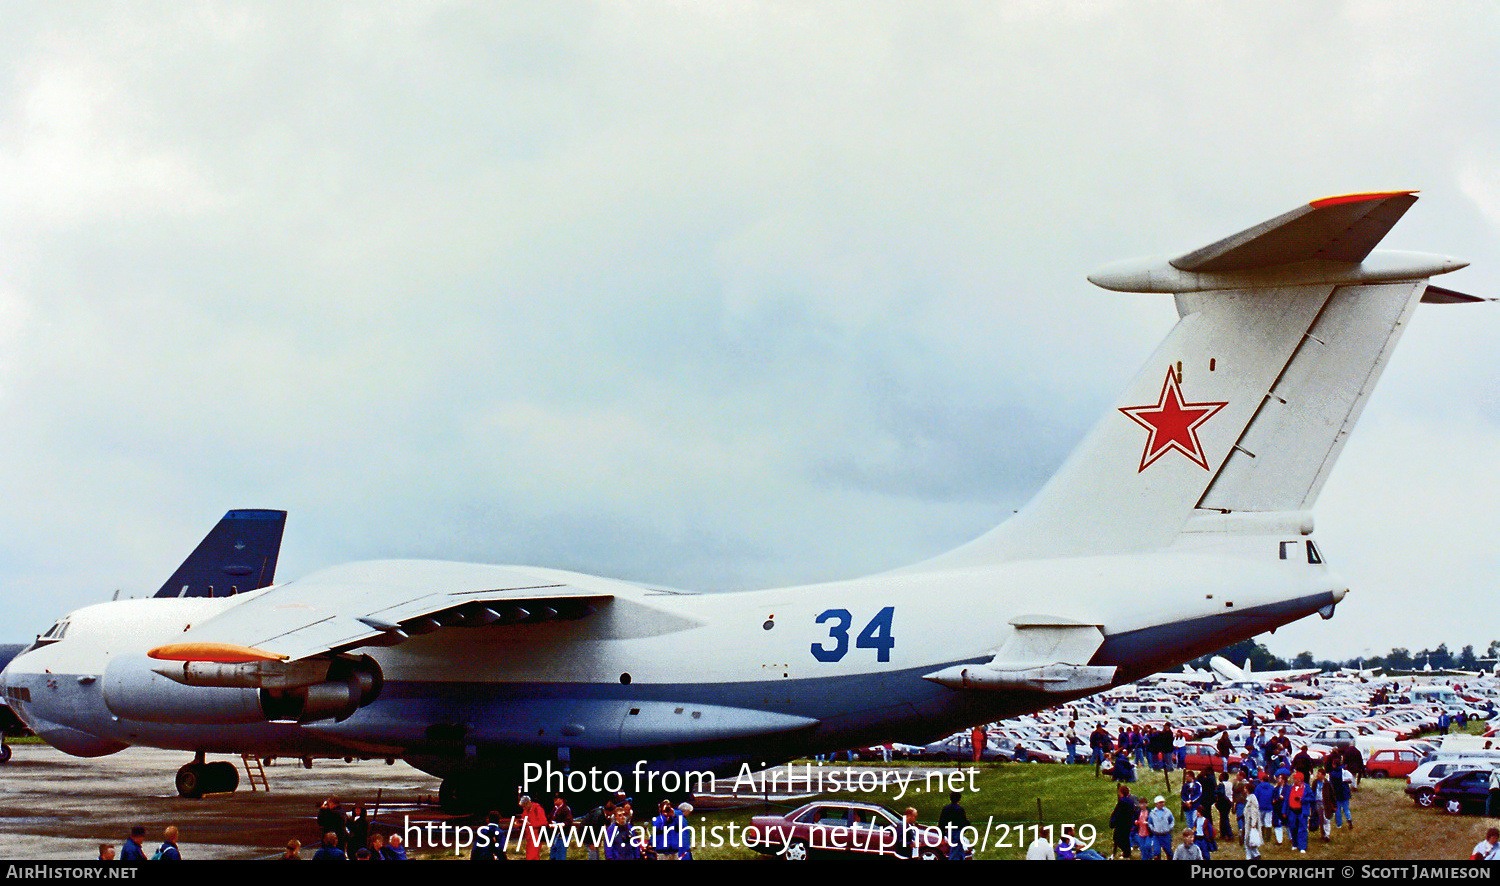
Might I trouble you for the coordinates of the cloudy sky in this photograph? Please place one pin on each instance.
(717, 295)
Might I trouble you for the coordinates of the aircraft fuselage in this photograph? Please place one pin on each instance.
(685, 680)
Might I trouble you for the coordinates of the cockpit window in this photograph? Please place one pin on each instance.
(55, 633)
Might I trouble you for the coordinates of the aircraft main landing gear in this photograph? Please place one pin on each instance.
(198, 778)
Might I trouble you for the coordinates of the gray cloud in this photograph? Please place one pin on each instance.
(715, 295)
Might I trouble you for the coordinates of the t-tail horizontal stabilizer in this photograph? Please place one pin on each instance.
(238, 555)
(1243, 409)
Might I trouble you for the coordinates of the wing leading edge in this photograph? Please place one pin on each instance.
(382, 603)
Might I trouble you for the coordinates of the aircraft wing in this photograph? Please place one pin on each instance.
(378, 603)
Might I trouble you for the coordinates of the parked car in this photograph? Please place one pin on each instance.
(1463, 791)
(961, 747)
(1392, 763)
(1202, 756)
(1421, 784)
(835, 828)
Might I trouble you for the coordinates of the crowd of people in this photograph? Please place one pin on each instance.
(1269, 788)
(134, 847)
(607, 831)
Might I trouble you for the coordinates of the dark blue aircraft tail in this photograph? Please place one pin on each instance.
(238, 555)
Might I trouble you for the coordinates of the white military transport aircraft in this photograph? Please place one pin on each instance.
(1246, 677)
(1180, 525)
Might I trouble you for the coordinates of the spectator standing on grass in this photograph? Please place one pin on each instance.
(952, 822)
(1122, 820)
(1160, 822)
(1321, 793)
(594, 823)
(1191, 794)
(1278, 807)
(1264, 793)
(1251, 835)
(1338, 785)
(1225, 748)
(619, 843)
(1099, 745)
(1239, 793)
(489, 842)
(1203, 827)
(1297, 810)
(1189, 850)
(1222, 803)
(1210, 786)
(1355, 764)
(562, 826)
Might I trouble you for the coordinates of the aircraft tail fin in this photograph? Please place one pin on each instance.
(238, 554)
(1237, 418)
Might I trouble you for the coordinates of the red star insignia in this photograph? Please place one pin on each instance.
(1173, 424)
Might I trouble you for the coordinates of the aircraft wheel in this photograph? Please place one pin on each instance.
(190, 781)
(796, 851)
(448, 797)
(220, 777)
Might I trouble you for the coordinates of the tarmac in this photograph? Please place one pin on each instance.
(60, 808)
(57, 807)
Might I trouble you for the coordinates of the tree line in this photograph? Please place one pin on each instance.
(1400, 659)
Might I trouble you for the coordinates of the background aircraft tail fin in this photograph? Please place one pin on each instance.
(238, 554)
(1240, 413)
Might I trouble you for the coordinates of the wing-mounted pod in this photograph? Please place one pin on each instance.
(1043, 654)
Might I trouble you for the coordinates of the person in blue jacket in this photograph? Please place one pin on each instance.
(619, 842)
(330, 850)
(132, 850)
(1192, 794)
(664, 832)
(168, 850)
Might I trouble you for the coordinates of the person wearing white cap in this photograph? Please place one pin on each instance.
(1160, 822)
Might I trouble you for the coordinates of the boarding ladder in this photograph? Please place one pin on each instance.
(256, 773)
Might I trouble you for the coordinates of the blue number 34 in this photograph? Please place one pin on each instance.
(876, 635)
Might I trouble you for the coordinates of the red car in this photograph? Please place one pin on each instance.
(1392, 763)
(834, 827)
(1202, 756)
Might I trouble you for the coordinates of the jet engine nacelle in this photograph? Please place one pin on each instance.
(136, 689)
(133, 690)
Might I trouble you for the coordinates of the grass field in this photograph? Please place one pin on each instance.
(1013, 796)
